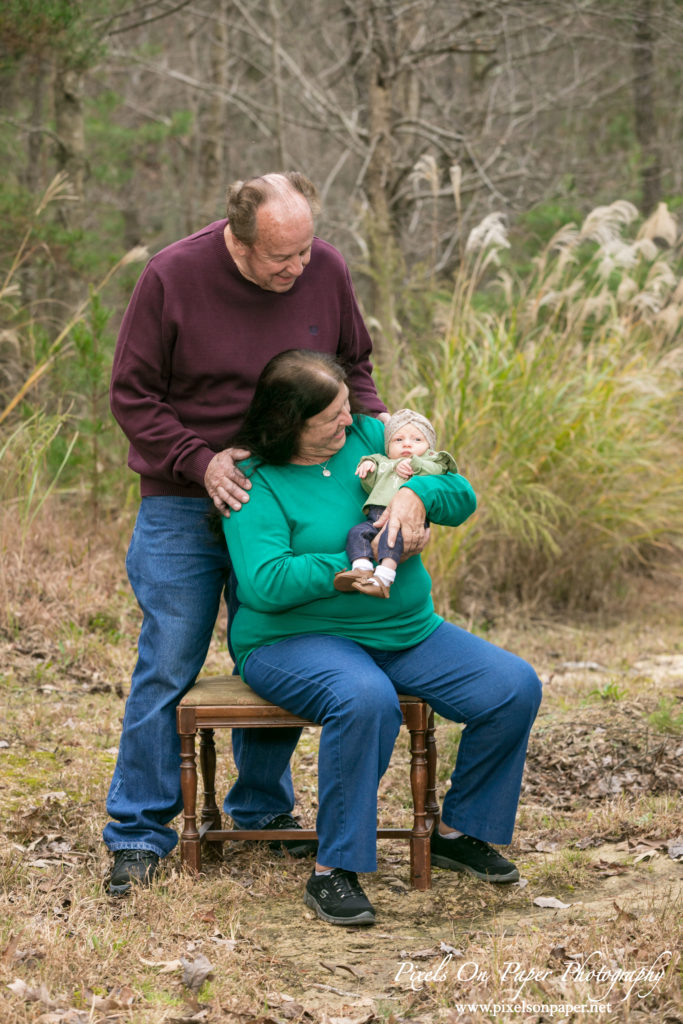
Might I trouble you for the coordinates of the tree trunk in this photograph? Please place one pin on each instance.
(381, 243)
(278, 104)
(68, 104)
(644, 106)
(212, 122)
(34, 178)
(68, 99)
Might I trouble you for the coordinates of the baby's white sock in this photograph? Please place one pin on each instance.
(362, 563)
(386, 575)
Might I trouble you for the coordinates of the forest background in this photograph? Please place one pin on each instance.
(488, 170)
(505, 180)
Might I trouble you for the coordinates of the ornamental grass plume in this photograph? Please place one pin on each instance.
(563, 407)
(661, 227)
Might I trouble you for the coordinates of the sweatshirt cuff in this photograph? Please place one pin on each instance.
(197, 464)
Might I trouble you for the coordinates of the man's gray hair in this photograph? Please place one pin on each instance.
(245, 197)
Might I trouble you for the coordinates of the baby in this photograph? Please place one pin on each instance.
(409, 442)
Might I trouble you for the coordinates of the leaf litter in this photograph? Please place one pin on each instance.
(578, 765)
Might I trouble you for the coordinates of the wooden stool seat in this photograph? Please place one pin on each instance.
(226, 702)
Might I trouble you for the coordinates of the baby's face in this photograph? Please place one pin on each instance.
(407, 441)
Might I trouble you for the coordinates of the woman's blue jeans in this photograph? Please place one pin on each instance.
(179, 570)
(352, 691)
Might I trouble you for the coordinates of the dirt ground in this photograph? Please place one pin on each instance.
(625, 875)
(593, 930)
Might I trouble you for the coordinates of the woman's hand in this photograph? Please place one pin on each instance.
(226, 484)
(407, 514)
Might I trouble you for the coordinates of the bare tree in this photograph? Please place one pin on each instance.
(644, 104)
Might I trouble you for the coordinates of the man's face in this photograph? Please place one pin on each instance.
(282, 248)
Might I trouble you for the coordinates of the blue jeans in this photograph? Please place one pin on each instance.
(352, 691)
(359, 539)
(179, 570)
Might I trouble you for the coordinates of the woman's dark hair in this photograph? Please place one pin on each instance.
(293, 386)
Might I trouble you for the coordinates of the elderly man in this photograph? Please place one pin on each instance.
(207, 314)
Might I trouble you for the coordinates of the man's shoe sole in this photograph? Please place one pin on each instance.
(119, 890)
(454, 865)
(367, 916)
(125, 887)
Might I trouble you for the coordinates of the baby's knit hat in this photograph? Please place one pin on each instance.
(404, 416)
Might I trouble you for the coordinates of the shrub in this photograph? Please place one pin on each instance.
(563, 410)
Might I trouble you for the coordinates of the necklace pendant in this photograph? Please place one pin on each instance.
(327, 472)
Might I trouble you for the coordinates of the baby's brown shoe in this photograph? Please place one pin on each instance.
(345, 580)
(372, 586)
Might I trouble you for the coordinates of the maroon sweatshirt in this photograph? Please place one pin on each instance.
(194, 339)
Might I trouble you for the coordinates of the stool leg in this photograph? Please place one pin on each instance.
(433, 808)
(190, 849)
(207, 762)
(420, 861)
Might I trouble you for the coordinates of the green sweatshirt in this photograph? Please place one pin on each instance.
(287, 542)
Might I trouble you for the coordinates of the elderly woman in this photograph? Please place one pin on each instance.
(339, 660)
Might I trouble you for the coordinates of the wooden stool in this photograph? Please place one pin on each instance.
(226, 702)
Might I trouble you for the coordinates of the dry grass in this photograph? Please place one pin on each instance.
(559, 393)
(71, 955)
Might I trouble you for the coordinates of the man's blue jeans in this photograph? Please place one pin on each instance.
(352, 691)
(179, 570)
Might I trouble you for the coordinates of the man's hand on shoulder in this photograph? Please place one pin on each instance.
(225, 483)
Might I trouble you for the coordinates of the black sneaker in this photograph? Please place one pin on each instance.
(339, 898)
(132, 867)
(295, 847)
(472, 856)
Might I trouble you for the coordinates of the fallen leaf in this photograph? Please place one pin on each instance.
(350, 969)
(118, 999)
(543, 846)
(609, 868)
(191, 1017)
(227, 944)
(167, 966)
(418, 954)
(209, 917)
(675, 849)
(551, 902)
(623, 915)
(31, 995)
(195, 972)
(647, 855)
(445, 948)
(291, 1010)
(19, 987)
(10, 952)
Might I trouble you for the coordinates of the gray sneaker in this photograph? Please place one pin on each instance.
(474, 857)
(132, 867)
(339, 898)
